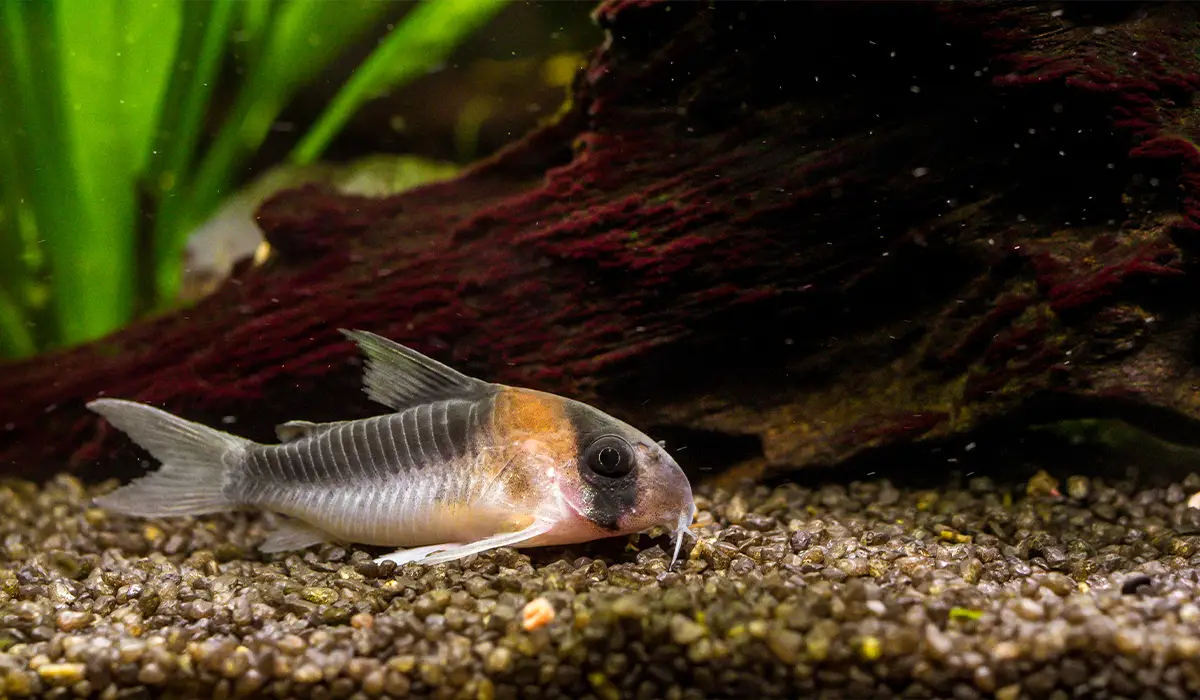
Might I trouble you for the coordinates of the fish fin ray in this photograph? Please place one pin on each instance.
(293, 534)
(408, 556)
(400, 377)
(195, 458)
(450, 552)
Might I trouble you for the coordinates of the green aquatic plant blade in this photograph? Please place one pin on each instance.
(204, 33)
(18, 235)
(149, 36)
(15, 339)
(117, 58)
(202, 46)
(423, 39)
(33, 97)
(252, 24)
(104, 105)
(303, 38)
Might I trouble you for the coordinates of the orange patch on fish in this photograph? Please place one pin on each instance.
(521, 414)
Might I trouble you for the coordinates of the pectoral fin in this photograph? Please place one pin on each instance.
(293, 534)
(438, 553)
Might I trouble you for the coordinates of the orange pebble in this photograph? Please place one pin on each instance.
(537, 613)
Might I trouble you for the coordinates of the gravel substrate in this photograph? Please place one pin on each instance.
(846, 591)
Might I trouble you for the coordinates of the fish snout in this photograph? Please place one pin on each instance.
(664, 499)
(683, 510)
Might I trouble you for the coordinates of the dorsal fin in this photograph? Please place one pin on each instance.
(296, 429)
(400, 377)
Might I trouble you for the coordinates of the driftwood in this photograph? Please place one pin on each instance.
(782, 233)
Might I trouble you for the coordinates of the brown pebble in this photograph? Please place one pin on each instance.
(308, 673)
(500, 660)
(372, 683)
(152, 674)
(71, 621)
(851, 590)
(1029, 610)
(785, 645)
(292, 645)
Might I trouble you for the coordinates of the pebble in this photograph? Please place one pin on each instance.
(785, 645)
(1029, 609)
(536, 614)
(308, 673)
(684, 631)
(71, 621)
(787, 592)
(62, 674)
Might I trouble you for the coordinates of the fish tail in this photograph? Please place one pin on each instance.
(197, 462)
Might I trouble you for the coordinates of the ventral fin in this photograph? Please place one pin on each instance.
(400, 377)
(438, 553)
(291, 535)
(296, 429)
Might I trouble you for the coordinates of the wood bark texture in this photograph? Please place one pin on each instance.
(785, 234)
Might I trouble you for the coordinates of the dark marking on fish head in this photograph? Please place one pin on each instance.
(626, 482)
(614, 478)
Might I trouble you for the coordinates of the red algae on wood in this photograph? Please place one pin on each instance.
(826, 226)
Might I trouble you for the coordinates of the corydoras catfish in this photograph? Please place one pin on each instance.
(462, 466)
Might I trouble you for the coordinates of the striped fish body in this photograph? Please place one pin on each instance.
(411, 478)
(461, 466)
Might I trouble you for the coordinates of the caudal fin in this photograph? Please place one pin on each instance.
(195, 460)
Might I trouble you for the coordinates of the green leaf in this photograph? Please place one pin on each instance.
(202, 45)
(253, 23)
(15, 338)
(423, 40)
(86, 301)
(304, 38)
(18, 233)
(149, 41)
(115, 58)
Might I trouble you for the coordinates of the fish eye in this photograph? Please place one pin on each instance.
(610, 456)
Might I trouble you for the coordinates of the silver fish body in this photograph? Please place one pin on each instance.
(460, 467)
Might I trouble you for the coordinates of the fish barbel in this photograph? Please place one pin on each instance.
(461, 466)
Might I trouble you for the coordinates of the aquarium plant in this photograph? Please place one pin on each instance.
(115, 147)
